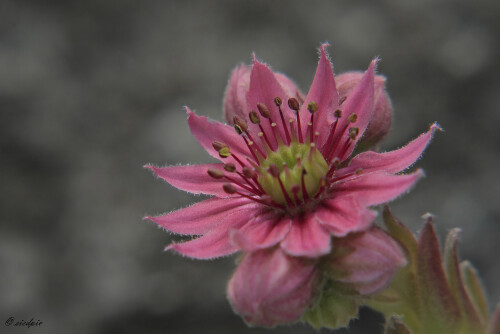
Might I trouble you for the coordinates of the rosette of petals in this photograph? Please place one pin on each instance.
(287, 176)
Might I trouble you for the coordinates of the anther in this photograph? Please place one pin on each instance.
(337, 113)
(224, 152)
(312, 107)
(352, 118)
(217, 145)
(241, 123)
(278, 101)
(249, 173)
(215, 173)
(254, 117)
(263, 110)
(293, 104)
(238, 129)
(353, 133)
(229, 188)
(229, 167)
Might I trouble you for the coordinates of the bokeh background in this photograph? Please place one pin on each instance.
(92, 90)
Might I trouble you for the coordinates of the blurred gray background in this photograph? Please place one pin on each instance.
(92, 90)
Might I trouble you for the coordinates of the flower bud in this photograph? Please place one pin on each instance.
(235, 98)
(380, 122)
(270, 288)
(365, 261)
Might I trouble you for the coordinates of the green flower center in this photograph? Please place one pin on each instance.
(300, 168)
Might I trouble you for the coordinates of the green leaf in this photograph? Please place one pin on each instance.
(469, 314)
(475, 289)
(333, 309)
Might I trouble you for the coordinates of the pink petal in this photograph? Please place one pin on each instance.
(359, 102)
(377, 188)
(201, 217)
(344, 215)
(215, 243)
(263, 232)
(394, 161)
(289, 87)
(193, 179)
(207, 131)
(235, 99)
(324, 92)
(264, 87)
(306, 238)
(271, 288)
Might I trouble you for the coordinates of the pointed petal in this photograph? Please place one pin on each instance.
(324, 92)
(377, 188)
(359, 102)
(216, 242)
(263, 232)
(344, 215)
(393, 161)
(235, 100)
(432, 277)
(306, 238)
(193, 178)
(264, 87)
(201, 217)
(207, 131)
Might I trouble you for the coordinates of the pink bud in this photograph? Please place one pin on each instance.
(271, 288)
(380, 123)
(235, 99)
(366, 261)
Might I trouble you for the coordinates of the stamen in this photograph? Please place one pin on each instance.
(238, 183)
(335, 163)
(294, 105)
(328, 144)
(312, 107)
(322, 187)
(229, 188)
(230, 167)
(357, 172)
(278, 102)
(304, 190)
(255, 119)
(264, 111)
(217, 145)
(275, 172)
(215, 173)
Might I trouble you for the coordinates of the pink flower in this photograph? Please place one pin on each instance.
(279, 293)
(287, 176)
(366, 261)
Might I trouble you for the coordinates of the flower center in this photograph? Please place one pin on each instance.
(285, 169)
(293, 173)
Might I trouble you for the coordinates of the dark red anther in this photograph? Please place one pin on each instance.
(293, 103)
(263, 110)
(241, 123)
(249, 173)
(217, 145)
(229, 188)
(278, 101)
(215, 173)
